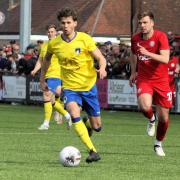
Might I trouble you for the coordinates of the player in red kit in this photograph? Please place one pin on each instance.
(151, 55)
(173, 68)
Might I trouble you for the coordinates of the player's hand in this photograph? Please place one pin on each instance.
(142, 50)
(33, 73)
(102, 73)
(132, 79)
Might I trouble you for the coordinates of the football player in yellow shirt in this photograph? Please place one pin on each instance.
(76, 52)
(53, 79)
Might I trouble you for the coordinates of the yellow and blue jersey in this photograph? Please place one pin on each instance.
(77, 64)
(54, 70)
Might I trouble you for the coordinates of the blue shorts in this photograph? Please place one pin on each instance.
(53, 83)
(88, 100)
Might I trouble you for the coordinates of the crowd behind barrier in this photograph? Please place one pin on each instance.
(11, 60)
(117, 57)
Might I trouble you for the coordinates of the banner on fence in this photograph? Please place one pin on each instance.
(120, 93)
(34, 92)
(14, 87)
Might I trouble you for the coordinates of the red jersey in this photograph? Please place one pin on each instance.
(149, 69)
(171, 69)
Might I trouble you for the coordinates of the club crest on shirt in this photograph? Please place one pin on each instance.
(78, 50)
(151, 43)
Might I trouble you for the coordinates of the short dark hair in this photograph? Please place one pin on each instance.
(146, 13)
(51, 26)
(67, 12)
(12, 42)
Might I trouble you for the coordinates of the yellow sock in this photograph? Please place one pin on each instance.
(59, 108)
(47, 111)
(82, 132)
(57, 99)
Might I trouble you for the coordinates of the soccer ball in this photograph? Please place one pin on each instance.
(70, 156)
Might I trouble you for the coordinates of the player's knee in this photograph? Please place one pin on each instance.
(47, 95)
(145, 108)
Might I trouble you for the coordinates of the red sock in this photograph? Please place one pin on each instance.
(149, 113)
(161, 129)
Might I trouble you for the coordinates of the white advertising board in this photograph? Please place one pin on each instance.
(119, 92)
(14, 87)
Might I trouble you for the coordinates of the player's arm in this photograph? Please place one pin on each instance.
(102, 63)
(37, 66)
(162, 57)
(133, 64)
(44, 68)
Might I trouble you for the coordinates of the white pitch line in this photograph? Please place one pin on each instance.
(47, 133)
(108, 135)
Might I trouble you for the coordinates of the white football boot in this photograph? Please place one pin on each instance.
(58, 117)
(43, 127)
(159, 150)
(68, 120)
(151, 129)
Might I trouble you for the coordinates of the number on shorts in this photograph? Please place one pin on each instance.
(169, 95)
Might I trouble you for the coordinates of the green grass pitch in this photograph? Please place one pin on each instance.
(125, 149)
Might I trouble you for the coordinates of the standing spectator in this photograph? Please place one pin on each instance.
(3, 60)
(108, 45)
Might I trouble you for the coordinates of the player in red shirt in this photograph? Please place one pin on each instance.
(151, 55)
(173, 68)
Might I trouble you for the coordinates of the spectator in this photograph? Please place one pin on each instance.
(27, 63)
(3, 60)
(108, 45)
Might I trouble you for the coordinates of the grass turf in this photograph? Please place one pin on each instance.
(126, 150)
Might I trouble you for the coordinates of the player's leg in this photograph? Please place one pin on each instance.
(87, 123)
(54, 84)
(163, 123)
(72, 102)
(57, 116)
(145, 104)
(163, 101)
(47, 95)
(92, 107)
(60, 107)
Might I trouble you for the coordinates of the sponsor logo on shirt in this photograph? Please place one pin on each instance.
(142, 57)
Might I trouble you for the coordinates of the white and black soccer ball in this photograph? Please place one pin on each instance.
(70, 156)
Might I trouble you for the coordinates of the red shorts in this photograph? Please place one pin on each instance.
(160, 91)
